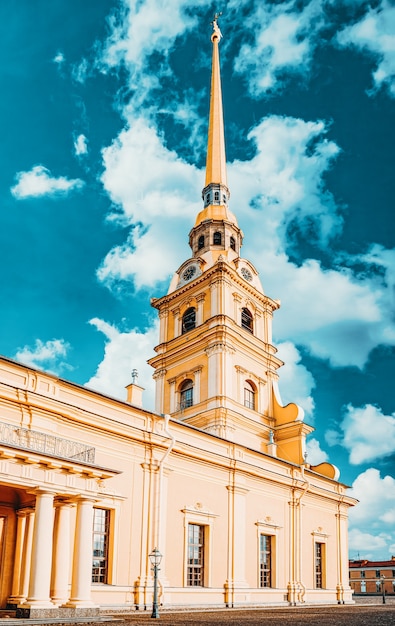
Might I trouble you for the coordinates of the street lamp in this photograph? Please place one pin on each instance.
(382, 580)
(155, 557)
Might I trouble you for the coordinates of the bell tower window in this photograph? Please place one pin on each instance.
(201, 242)
(189, 319)
(217, 239)
(247, 320)
(249, 395)
(216, 196)
(233, 243)
(186, 394)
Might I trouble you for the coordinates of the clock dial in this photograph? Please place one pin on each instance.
(189, 272)
(246, 274)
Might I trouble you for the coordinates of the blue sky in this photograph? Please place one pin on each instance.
(103, 122)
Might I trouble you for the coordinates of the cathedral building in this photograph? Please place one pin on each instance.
(216, 478)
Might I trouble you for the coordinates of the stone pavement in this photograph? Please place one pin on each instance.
(334, 615)
(350, 615)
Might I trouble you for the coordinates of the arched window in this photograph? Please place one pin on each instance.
(233, 243)
(247, 320)
(186, 394)
(249, 395)
(216, 196)
(189, 319)
(208, 198)
(201, 242)
(217, 239)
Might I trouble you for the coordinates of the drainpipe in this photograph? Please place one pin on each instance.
(158, 498)
(302, 588)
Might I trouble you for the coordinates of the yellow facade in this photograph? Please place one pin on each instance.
(216, 478)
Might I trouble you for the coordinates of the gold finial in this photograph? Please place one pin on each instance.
(216, 31)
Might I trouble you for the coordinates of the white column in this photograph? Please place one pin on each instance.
(177, 323)
(15, 597)
(159, 378)
(163, 320)
(82, 558)
(61, 554)
(26, 555)
(196, 390)
(40, 569)
(199, 314)
(172, 384)
(259, 325)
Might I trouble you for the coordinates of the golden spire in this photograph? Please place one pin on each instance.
(216, 159)
(216, 193)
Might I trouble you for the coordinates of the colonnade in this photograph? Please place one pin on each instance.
(44, 558)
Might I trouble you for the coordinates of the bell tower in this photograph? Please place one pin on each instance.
(215, 365)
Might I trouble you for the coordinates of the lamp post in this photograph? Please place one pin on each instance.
(382, 580)
(155, 557)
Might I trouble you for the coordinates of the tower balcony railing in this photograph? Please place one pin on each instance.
(26, 439)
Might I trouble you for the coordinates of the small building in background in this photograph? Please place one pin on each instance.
(369, 576)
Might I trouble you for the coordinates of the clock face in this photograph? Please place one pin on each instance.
(189, 273)
(246, 274)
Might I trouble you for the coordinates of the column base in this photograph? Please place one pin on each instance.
(56, 612)
(14, 601)
(79, 604)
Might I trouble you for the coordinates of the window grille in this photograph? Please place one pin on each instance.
(195, 573)
(189, 320)
(217, 239)
(186, 394)
(247, 321)
(318, 565)
(265, 561)
(101, 531)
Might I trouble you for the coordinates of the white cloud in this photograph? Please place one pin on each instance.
(315, 455)
(367, 433)
(81, 145)
(80, 71)
(59, 58)
(144, 27)
(296, 382)
(45, 355)
(367, 545)
(374, 33)
(372, 520)
(125, 351)
(157, 197)
(40, 182)
(284, 41)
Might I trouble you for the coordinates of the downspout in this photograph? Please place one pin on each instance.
(302, 588)
(158, 498)
(340, 586)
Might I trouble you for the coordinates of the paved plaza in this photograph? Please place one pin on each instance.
(370, 615)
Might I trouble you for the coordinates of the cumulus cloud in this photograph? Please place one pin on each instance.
(341, 313)
(372, 520)
(40, 182)
(374, 34)
(80, 145)
(296, 382)
(284, 39)
(154, 197)
(367, 545)
(315, 455)
(143, 27)
(47, 355)
(367, 433)
(123, 353)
